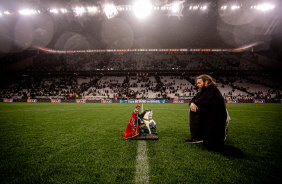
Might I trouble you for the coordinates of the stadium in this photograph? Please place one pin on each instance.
(72, 72)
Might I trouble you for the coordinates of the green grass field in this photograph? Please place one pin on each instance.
(82, 143)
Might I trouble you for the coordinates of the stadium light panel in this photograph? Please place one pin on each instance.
(175, 8)
(110, 10)
(123, 8)
(54, 11)
(28, 12)
(7, 13)
(223, 7)
(195, 7)
(92, 9)
(142, 9)
(79, 11)
(265, 7)
(63, 10)
(235, 7)
(203, 8)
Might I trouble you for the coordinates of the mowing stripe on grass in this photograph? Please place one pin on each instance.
(142, 165)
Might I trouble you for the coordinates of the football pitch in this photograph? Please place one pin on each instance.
(82, 143)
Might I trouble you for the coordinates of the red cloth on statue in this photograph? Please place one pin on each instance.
(132, 128)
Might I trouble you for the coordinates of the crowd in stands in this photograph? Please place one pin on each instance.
(140, 61)
(141, 85)
(133, 87)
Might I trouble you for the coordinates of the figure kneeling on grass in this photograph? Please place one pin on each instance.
(209, 118)
(141, 126)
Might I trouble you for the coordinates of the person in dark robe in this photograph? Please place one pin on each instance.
(208, 115)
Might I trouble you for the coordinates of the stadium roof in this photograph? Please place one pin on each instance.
(87, 24)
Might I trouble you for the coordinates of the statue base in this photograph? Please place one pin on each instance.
(147, 137)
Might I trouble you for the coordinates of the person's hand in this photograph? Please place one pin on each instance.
(193, 107)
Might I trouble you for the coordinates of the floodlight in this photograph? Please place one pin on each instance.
(123, 8)
(203, 7)
(195, 7)
(24, 12)
(142, 9)
(92, 9)
(234, 7)
(265, 7)
(63, 10)
(54, 11)
(7, 13)
(79, 11)
(28, 12)
(110, 10)
(175, 7)
(223, 7)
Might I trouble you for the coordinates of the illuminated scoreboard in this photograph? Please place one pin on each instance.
(80, 101)
(259, 101)
(55, 100)
(7, 100)
(106, 101)
(232, 101)
(178, 101)
(31, 100)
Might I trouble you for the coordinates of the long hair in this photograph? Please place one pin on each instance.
(205, 78)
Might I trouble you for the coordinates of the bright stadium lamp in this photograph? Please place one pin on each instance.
(63, 10)
(265, 7)
(54, 11)
(234, 7)
(175, 8)
(110, 10)
(196, 7)
(224, 7)
(28, 12)
(92, 9)
(79, 11)
(7, 13)
(24, 12)
(142, 8)
(203, 7)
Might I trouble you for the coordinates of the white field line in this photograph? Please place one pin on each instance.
(142, 166)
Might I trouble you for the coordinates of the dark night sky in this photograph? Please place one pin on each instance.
(193, 29)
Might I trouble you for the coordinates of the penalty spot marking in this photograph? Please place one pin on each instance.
(142, 164)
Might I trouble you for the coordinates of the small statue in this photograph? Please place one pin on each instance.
(141, 126)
